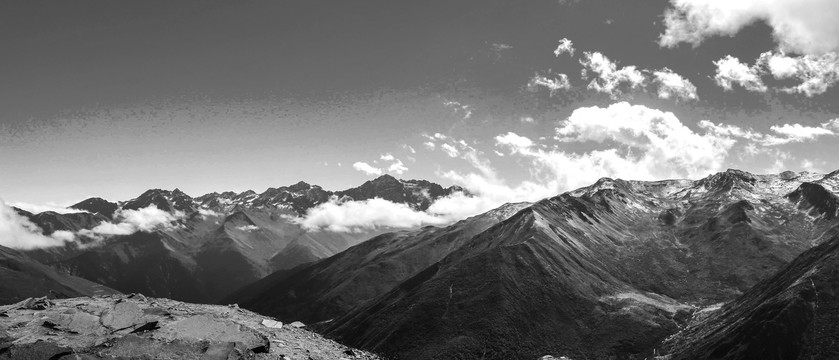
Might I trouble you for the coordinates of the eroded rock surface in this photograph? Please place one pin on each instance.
(136, 327)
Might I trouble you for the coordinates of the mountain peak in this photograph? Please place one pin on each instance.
(300, 186)
(386, 178)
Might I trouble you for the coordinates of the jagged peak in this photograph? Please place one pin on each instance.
(727, 179)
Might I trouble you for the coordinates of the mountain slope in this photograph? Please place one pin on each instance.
(331, 287)
(791, 315)
(22, 277)
(608, 270)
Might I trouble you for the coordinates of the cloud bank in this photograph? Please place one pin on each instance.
(17, 232)
(355, 216)
(128, 222)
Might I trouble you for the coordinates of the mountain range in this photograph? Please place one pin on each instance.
(731, 266)
(203, 248)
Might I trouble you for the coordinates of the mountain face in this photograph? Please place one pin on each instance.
(605, 271)
(209, 246)
(791, 315)
(97, 206)
(333, 286)
(22, 277)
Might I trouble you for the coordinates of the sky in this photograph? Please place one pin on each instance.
(512, 100)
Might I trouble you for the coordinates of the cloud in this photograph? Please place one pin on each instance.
(783, 134)
(797, 133)
(205, 213)
(459, 108)
(450, 150)
(397, 167)
(609, 79)
(429, 145)
(559, 82)
(816, 73)
(247, 228)
(527, 120)
(18, 232)
(356, 216)
(565, 47)
(806, 27)
(513, 140)
(39, 208)
(386, 157)
(409, 148)
(731, 71)
(366, 168)
(673, 85)
(128, 222)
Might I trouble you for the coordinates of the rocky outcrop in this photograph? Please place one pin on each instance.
(136, 327)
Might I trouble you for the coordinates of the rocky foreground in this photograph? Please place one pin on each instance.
(136, 327)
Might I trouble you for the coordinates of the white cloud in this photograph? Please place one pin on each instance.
(366, 168)
(609, 79)
(731, 71)
(18, 232)
(409, 148)
(39, 208)
(128, 222)
(205, 213)
(430, 145)
(513, 140)
(802, 26)
(450, 150)
(796, 133)
(459, 108)
(673, 85)
(565, 47)
(559, 82)
(783, 134)
(386, 157)
(527, 120)
(815, 73)
(247, 228)
(397, 167)
(354, 216)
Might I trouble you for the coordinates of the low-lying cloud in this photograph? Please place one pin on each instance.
(355, 216)
(18, 232)
(128, 222)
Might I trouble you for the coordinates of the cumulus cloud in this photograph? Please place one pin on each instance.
(815, 73)
(565, 47)
(673, 85)
(806, 27)
(558, 82)
(608, 78)
(18, 232)
(397, 167)
(366, 168)
(39, 208)
(731, 71)
(355, 216)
